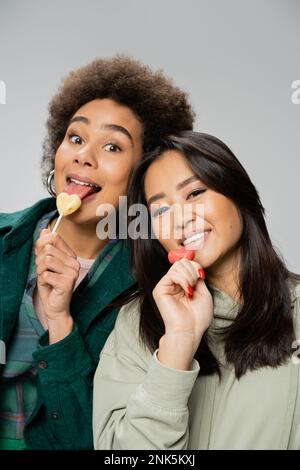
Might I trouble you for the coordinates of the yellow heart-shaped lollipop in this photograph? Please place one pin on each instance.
(67, 203)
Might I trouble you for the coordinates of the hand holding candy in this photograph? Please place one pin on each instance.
(186, 307)
(183, 253)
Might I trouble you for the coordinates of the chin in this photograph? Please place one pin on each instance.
(204, 261)
(83, 217)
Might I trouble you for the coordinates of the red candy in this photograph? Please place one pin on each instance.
(176, 255)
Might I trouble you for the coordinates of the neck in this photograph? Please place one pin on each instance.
(82, 239)
(225, 275)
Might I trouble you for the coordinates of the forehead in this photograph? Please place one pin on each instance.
(107, 110)
(167, 171)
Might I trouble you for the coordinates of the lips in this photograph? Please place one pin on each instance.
(81, 185)
(195, 240)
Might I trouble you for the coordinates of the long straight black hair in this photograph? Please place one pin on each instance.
(263, 332)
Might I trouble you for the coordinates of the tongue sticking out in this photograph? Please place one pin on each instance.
(81, 191)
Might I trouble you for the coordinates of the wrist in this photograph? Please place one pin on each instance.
(176, 350)
(184, 339)
(60, 327)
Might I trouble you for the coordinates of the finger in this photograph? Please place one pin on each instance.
(50, 263)
(50, 250)
(180, 279)
(198, 269)
(62, 245)
(188, 272)
(46, 237)
(56, 281)
(200, 287)
(44, 278)
(192, 269)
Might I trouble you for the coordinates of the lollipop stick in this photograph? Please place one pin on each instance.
(57, 223)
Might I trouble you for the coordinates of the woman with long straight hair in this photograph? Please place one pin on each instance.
(206, 355)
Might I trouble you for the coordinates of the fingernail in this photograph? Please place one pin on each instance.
(190, 291)
(202, 274)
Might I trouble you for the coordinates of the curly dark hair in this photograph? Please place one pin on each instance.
(162, 107)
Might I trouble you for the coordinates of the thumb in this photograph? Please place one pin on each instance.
(45, 231)
(201, 287)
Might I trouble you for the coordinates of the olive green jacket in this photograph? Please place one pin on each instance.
(141, 404)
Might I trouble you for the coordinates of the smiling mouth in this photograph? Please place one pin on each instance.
(82, 188)
(196, 238)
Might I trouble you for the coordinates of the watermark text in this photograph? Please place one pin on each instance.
(296, 94)
(2, 92)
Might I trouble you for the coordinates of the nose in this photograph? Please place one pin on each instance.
(187, 217)
(85, 156)
(183, 216)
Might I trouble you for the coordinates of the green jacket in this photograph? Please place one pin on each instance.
(62, 418)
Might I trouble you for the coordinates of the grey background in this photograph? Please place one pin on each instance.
(236, 58)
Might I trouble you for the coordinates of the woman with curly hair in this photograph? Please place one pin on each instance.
(207, 355)
(59, 291)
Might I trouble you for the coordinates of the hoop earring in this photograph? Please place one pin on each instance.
(50, 184)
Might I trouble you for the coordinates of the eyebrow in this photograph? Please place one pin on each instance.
(179, 186)
(105, 127)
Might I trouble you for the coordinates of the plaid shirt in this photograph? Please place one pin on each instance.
(18, 385)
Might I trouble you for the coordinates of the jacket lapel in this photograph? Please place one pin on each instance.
(16, 231)
(92, 299)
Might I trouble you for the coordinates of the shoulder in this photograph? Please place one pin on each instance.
(129, 316)
(10, 221)
(294, 287)
(15, 220)
(128, 323)
(7, 219)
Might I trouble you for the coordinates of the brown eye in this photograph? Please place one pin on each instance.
(112, 148)
(75, 139)
(196, 193)
(159, 211)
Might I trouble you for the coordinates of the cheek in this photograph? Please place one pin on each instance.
(116, 172)
(231, 229)
(63, 157)
(163, 230)
(236, 226)
(62, 154)
(166, 243)
(60, 162)
(222, 214)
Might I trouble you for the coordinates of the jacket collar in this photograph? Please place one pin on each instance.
(93, 298)
(17, 227)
